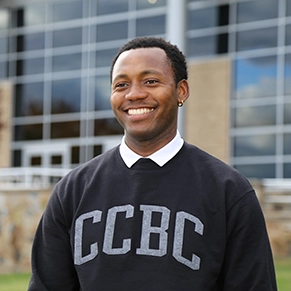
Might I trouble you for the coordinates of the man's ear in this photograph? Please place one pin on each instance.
(183, 91)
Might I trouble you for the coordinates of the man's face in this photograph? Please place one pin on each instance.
(144, 95)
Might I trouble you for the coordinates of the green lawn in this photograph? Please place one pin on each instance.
(19, 282)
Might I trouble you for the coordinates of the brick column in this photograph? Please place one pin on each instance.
(5, 123)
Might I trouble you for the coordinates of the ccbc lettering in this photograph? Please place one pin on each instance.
(146, 230)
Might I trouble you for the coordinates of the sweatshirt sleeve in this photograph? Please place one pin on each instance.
(52, 263)
(248, 263)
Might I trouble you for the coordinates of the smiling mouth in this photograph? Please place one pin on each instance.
(139, 111)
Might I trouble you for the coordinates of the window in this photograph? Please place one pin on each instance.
(3, 70)
(255, 77)
(68, 129)
(105, 57)
(151, 26)
(30, 15)
(257, 10)
(202, 18)
(143, 4)
(4, 19)
(287, 170)
(257, 39)
(28, 99)
(108, 126)
(3, 45)
(112, 31)
(28, 132)
(112, 6)
(258, 171)
(254, 145)
(29, 42)
(287, 113)
(102, 93)
(67, 37)
(30, 66)
(67, 11)
(66, 96)
(255, 116)
(207, 45)
(67, 62)
(287, 76)
(287, 144)
(288, 8)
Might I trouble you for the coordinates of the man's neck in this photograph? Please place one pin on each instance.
(145, 148)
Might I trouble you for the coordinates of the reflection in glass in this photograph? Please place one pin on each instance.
(28, 132)
(109, 126)
(65, 129)
(75, 155)
(257, 39)
(102, 93)
(255, 116)
(112, 6)
(67, 62)
(151, 25)
(202, 18)
(28, 42)
(67, 11)
(28, 99)
(97, 150)
(207, 45)
(287, 171)
(30, 15)
(4, 19)
(287, 144)
(256, 77)
(257, 10)
(104, 57)
(144, 4)
(257, 171)
(288, 10)
(112, 31)
(3, 45)
(30, 66)
(67, 37)
(16, 158)
(287, 113)
(287, 76)
(66, 96)
(254, 145)
(3, 70)
(288, 34)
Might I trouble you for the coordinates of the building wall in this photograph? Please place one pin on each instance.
(5, 123)
(20, 212)
(207, 111)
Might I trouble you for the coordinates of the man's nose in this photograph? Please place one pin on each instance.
(136, 92)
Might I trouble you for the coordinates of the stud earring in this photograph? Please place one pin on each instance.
(181, 103)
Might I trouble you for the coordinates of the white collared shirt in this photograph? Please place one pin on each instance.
(160, 157)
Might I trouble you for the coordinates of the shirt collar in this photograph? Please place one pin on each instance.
(160, 157)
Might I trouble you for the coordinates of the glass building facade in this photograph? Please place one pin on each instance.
(57, 55)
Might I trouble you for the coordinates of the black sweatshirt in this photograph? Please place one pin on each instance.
(193, 224)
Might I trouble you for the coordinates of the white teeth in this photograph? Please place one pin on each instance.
(139, 111)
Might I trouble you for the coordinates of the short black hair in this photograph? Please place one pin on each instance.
(174, 55)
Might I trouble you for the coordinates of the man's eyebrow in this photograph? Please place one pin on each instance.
(119, 76)
(143, 73)
(150, 72)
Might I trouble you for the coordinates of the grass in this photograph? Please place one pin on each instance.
(283, 273)
(14, 282)
(19, 282)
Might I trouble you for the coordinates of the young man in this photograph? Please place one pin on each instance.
(154, 213)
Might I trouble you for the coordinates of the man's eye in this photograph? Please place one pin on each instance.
(120, 85)
(151, 81)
